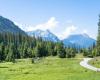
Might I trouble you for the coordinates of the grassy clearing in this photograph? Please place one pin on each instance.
(50, 68)
(79, 56)
(95, 62)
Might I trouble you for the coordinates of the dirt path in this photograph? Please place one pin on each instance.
(85, 64)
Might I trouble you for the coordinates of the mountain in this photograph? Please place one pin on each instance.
(45, 35)
(79, 40)
(7, 25)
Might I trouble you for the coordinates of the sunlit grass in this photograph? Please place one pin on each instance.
(95, 62)
(50, 68)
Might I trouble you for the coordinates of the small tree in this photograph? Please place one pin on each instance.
(94, 52)
(36, 51)
(61, 51)
(70, 52)
(85, 52)
(32, 60)
(11, 54)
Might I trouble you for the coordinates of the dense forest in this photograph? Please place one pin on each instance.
(18, 46)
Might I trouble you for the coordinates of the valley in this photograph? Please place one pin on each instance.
(49, 68)
(49, 40)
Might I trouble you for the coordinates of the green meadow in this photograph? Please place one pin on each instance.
(50, 68)
(95, 62)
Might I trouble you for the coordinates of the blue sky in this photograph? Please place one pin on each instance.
(62, 17)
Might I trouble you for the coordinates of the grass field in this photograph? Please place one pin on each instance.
(50, 68)
(95, 62)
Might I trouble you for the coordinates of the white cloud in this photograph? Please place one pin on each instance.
(85, 31)
(22, 26)
(89, 33)
(69, 30)
(50, 24)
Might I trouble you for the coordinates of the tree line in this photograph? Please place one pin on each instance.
(18, 46)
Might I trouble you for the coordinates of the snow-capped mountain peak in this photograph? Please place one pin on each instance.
(45, 35)
(85, 35)
(79, 40)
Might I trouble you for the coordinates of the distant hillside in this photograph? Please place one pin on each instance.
(7, 25)
(79, 40)
(45, 35)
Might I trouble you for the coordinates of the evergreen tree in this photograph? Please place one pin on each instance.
(36, 51)
(2, 51)
(11, 54)
(94, 52)
(70, 52)
(49, 48)
(98, 38)
(60, 50)
(85, 52)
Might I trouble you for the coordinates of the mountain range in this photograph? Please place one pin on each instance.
(7, 25)
(45, 35)
(77, 40)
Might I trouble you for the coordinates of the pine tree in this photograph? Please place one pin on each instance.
(94, 52)
(70, 52)
(49, 48)
(60, 50)
(36, 51)
(85, 52)
(11, 54)
(2, 51)
(98, 38)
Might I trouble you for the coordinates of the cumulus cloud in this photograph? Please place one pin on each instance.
(50, 24)
(69, 30)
